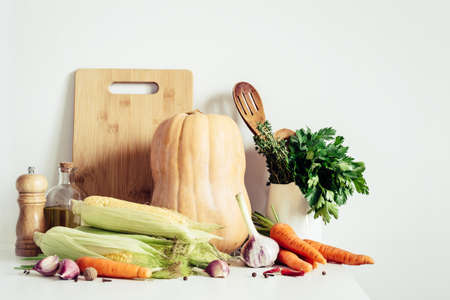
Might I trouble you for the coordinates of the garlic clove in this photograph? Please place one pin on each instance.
(68, 269)
(47, 266)
(218, 269)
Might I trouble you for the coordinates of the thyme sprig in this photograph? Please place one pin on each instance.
(276, 154)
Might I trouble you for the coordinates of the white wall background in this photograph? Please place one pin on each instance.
(378, 71)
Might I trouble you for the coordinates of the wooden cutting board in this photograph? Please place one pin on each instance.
(113, 132)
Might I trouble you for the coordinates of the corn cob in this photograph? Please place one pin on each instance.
(122, 216)
(172, 215)
(200, 254)
(101, 201)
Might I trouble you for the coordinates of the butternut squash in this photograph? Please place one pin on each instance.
(198, 165)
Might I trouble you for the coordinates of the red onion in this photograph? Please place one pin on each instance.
(218, 268)
(68, 269)
(47, 266)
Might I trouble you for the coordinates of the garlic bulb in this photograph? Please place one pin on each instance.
(258, 250)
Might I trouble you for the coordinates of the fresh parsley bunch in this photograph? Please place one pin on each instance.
(319, 165)
(326, 175)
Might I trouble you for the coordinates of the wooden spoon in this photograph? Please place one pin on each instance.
(283, 134)
(250, 107)
(249, 104)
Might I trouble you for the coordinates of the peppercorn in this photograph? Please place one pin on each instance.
(90, 274)
(324, 273)
(253, 274)
(185, 278)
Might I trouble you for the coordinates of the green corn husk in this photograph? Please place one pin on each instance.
(200, 254)
(170, 216)
(71, 243)
(157, 242)
(175, 258)
(130, 220)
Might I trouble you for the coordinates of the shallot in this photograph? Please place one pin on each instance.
(47, 266)
(68, 269)
(218, 268)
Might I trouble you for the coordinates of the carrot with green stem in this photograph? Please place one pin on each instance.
(339, 255)
(110, 268)
(291, 260)
(286, 237)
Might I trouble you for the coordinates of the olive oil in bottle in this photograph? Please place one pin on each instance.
(57, 211)
(60, 216)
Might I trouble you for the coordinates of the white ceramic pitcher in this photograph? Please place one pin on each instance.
(292, 207)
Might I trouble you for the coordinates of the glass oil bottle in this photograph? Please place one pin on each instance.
(57, 211)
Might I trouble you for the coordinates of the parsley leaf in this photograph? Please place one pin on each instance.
(324, 172)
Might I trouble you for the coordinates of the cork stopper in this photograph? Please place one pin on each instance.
(66, 166)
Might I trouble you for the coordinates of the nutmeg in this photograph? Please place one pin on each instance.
(90, 274)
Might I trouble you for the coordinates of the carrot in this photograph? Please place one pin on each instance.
(312, 262)
(285, 236)
(339, 255)
(291, 260)
(110, 268)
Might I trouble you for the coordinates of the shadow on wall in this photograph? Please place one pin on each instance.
(255, 174)
(63, 151)
(66, 135)
(255, 180)
(221, 104)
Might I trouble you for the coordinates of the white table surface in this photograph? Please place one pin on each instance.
(338, 283)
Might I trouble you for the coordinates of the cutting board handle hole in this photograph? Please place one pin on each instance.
(134, 88)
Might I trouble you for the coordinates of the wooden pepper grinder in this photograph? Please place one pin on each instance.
(31, 188)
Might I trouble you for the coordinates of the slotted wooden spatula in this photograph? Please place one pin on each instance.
(249, 104)
(251, 109)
